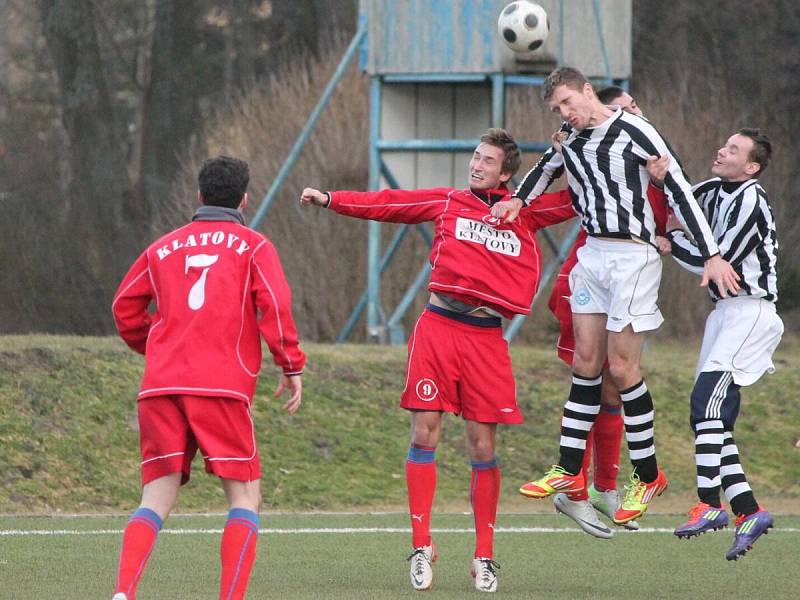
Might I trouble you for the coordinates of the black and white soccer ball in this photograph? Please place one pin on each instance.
(523, 26)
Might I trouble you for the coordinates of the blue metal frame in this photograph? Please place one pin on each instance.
(432, 145)
(305, 133)
(375, 314)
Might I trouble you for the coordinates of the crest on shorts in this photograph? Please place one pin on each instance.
(582, 297)
(426, 390)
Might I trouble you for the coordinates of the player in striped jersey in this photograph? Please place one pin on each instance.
(605, 438)
(740, 336)
(615, 283)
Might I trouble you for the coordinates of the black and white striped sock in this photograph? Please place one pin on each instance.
(734, 482)
(708, 437)
(638, 407)
(579, 414)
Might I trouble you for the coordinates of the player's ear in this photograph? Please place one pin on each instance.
(200, 198)
(243, 203)
(588, 90)
(505, 176)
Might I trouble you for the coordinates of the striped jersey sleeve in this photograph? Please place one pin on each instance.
(648, 142)
(538, 179)
(744, 228)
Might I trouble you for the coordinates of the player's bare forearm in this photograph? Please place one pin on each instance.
(507, 210)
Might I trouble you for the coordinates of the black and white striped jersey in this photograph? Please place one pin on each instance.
(607, 176)
(744, 228)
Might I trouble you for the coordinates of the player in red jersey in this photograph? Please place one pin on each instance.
(458, 361)
(217, 286)
(605, 438)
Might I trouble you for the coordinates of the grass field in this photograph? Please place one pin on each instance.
(69, 439)
(68, 444)
(354, 556)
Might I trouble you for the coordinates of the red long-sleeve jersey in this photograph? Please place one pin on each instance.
(209, 281)
(475, 258)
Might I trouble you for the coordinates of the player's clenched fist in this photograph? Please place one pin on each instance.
(312, 196)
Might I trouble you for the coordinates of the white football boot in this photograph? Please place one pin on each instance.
(484, 570)
(120, 596)
(421, 571)
(607, 502)
(584, 515)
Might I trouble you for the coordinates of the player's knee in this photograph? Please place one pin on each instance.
(480, 450)
(425, 433)
(624, 372)
(250, 501)
(587, 361)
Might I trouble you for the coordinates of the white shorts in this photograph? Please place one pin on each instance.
(740, 337)
(620, 280)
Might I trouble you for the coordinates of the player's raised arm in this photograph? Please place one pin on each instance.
(394, 206)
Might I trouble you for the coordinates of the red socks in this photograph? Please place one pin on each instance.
(421, 481)
(237, 552)
(608, 430)
(137, 544)
(484, 494)
(587, 460)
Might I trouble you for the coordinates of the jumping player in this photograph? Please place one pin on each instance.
(604, 442)
(741, 333)
(615, 283)
(216, 284)
(458, 361)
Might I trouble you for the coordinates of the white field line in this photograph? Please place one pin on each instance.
(329, 530)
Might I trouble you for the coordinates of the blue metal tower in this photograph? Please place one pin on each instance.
(438, 77)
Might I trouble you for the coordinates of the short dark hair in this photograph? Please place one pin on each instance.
(762, 148)
(612, 92)
(567, 76)
(500, 138)
(223, 181)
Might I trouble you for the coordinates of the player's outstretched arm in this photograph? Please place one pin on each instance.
(315, 197)
(293, 383)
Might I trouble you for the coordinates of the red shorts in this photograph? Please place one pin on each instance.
(462, 369)
(560, 307)
(172, 428)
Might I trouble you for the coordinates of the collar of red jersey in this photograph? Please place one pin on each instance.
(218, 213)
(490, 197)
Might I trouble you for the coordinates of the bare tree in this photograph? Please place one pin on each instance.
(99, 181)
(170, 107)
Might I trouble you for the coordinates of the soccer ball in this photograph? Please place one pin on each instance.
(523, 26)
